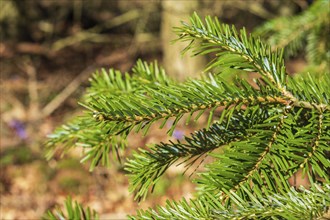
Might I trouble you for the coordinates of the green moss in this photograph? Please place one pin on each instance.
(69, 163)
(70, 184)
(17, 155)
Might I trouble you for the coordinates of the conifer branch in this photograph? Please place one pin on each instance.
(222, 38)
(310, 29)
(115, 83)
(163, 102)
(153, 163)
(74, 210)
(267, 131)
(292, 205)
(316, 141)
(91, 136)
(261, 158)
(245, 159)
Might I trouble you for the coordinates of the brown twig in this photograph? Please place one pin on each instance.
(67, 91)
(29, 68)
(93, 33)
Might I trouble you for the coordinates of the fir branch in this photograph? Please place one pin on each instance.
(293, 205)
(223, 39)
(163, 102)
(195, 209)
(316, 142)
(244, 167)
(310, 92)
(91, 136)
(318, 149)
(269, 130)
(74, 210)
(309, 29)
(115, 83)
(291, 32)
(151, 164)
(244, 159)
(265, 152)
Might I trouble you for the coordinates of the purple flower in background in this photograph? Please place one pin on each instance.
(178, 134)
(19, 128)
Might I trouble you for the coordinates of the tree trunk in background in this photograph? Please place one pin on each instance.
(177, 66)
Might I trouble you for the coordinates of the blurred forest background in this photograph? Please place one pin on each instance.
(48, 51)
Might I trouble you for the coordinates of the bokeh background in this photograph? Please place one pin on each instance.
(49, 49)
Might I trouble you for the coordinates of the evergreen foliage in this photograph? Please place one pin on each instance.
(264, 133)
(74, 210)
(309, 30)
